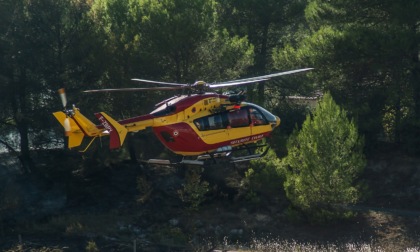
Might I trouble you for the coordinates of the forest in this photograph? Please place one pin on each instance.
(332, 164)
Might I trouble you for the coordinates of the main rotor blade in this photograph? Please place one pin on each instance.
(228, 84)
(160, 82)
(132, 89)
(270, 75)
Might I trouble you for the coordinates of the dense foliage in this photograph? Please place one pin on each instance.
(367, 55)
(325, 159)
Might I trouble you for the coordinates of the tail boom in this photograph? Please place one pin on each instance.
(81, 127)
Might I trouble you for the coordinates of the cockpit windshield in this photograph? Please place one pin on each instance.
(268, 116)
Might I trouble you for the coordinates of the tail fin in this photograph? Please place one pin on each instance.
(75, 134)
(117, 132)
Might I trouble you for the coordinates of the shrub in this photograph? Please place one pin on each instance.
(92, 247)
(144, 188)
(194, 190)
(264, 175)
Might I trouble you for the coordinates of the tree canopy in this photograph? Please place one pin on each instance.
(324, 161)
(365, 53)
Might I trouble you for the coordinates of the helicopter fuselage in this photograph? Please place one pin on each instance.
(204, 123)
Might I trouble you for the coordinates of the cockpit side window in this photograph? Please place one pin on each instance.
(238, 118)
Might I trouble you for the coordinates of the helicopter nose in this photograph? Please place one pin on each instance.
(277, 121)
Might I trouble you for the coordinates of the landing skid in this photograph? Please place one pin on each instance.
(215, 156)
(169, 162)
(249, 157)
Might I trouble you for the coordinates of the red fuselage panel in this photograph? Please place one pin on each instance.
(182, 139)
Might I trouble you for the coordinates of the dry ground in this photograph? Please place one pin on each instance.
(102, 212)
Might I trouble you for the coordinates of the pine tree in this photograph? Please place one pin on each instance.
(324, 160)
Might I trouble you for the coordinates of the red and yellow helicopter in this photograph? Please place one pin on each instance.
(198, 124)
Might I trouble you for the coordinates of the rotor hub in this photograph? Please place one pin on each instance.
(200, 83)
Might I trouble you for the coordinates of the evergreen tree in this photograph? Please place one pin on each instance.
(366, 53)
(267, 24)
(324, 160)
(42, 47)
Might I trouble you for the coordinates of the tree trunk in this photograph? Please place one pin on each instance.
(25, 157)
(132, 149)
(415, 80)
(20, 109)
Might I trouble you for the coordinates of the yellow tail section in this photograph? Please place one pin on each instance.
(80, 127)
(77, 126)
(75, 135)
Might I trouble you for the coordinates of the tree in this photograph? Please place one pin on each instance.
(168, 41)
(366, 53)
(223, 57)
(38, 44)
(267, 24)
(324, 160)
(174, 30)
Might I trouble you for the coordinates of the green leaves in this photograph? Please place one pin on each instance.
(325, 158)
(194, 189)
(223, 57)
(366, 54)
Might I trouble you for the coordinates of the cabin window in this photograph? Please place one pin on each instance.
(238, 118)
(213, 122)
(243, 117)
(234, 119)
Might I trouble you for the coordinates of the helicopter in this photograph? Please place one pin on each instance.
(197, 125)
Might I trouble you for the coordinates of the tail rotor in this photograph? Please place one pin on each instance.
(66, 123)
(62, 93)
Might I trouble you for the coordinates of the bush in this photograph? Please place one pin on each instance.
(144, 188)
(92, 247)
(264, 176)
(194, 190)
(324, 160)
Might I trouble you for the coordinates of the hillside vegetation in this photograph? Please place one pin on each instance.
(344, 175)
